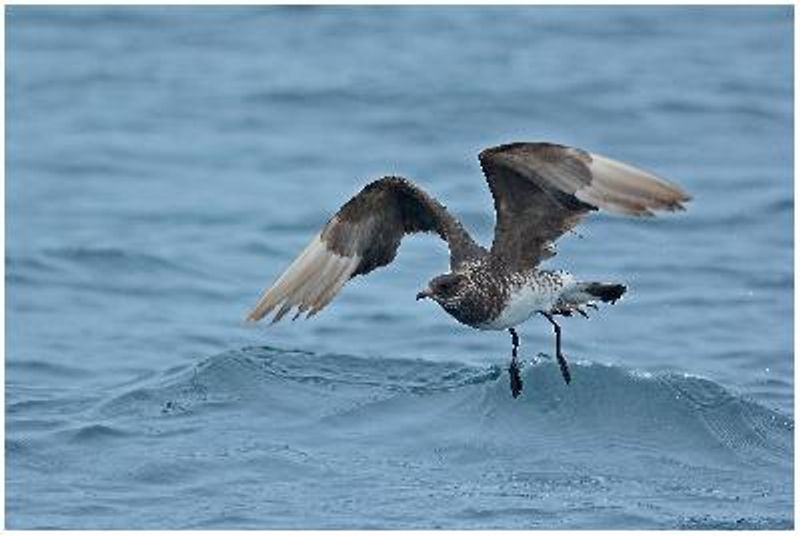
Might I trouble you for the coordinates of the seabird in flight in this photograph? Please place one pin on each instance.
(540, 191)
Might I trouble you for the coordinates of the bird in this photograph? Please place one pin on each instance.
(541, 190)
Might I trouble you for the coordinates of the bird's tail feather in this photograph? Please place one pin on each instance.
(591, 291)
(607, 292)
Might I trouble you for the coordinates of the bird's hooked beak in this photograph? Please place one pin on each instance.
(422, 294)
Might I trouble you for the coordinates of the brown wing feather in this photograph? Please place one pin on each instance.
(363, 235)
(542, 190)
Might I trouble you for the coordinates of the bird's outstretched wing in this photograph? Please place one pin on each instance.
(363, 235)
(542, 190)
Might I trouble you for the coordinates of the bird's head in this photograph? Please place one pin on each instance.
(447, 290)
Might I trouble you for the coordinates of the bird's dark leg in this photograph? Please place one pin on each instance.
(513, 369)
(562, 362)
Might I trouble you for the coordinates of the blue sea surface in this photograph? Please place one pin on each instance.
(164, 165)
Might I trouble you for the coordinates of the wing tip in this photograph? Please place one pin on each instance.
(256, 314)
(310, 283)
(676, 203)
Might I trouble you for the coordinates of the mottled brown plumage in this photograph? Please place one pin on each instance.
(540, 191)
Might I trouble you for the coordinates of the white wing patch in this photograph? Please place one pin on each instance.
(626, 189)
(309, 283)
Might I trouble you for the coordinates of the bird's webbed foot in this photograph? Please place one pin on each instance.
(588, 305)
(571, 308)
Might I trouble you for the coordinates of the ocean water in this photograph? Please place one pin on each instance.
(164, 165)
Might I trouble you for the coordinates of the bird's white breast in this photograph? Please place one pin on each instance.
(525, 300)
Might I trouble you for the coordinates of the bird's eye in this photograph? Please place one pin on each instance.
(448, 285)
